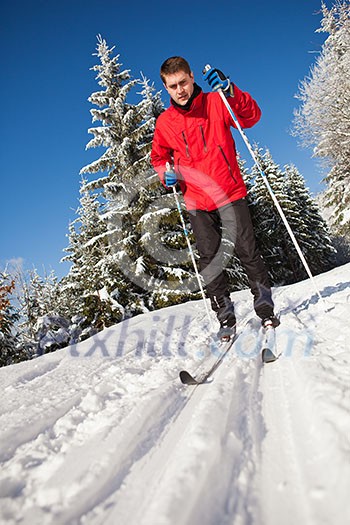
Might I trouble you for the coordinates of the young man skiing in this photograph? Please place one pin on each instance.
(193, 136)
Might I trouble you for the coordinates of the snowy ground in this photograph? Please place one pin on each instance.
(104, 433)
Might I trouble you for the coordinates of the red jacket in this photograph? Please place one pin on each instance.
(199, 143)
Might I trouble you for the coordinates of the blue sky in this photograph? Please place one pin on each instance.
(266, 48)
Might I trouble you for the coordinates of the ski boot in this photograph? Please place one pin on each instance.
(227, 319)
(270, 322)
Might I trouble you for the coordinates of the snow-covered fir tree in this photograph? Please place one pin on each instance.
(121, 123)
(340, 241)
(269, 229)
(37, 297)
(43, 293)
(42, 326)
(323, 119)
(302, 215)
(86, 288)
(132, 196)
(312, 231)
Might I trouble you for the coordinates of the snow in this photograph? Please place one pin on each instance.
(103, 432)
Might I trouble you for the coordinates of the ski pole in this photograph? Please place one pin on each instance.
(268, 186)
(185, 230)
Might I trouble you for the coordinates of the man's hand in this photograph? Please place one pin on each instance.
(216, 79)
(170, 179)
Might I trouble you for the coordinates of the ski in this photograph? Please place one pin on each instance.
(268, 356)
(188, 379)
(269, 352)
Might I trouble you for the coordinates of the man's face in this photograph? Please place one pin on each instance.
(179, 86)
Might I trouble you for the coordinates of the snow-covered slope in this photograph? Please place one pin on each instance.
(104, 433)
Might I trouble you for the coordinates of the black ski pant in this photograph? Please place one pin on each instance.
(234, 222)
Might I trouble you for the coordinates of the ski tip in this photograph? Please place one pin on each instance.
(268, 356)
(187, 379)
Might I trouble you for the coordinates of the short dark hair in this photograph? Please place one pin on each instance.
(174, 65)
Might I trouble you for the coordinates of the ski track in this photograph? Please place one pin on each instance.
(207, 447)
(121, 442)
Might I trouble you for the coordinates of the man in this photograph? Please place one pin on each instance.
(193, 135)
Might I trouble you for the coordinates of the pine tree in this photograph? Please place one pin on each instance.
(135, 206)
(302, 214)
(323, 119)
(38, 296)
(42, 325)
(312, 232)
(269, 228)
(84, 288)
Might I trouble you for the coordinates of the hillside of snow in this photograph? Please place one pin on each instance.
(104, 432)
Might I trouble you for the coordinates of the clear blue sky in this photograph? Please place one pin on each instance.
(47, 46)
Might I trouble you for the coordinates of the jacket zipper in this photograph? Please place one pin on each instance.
(227, 162)
(203, 137)
(186, 144)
